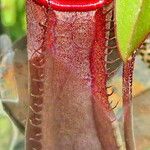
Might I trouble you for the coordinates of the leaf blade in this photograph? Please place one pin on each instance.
(132, 25)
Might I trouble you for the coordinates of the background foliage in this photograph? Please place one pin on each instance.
(132, 25)
(12, 23)
(13, 18)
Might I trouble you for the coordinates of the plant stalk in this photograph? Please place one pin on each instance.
(127, 103)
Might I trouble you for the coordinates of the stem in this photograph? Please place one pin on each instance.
(7, 107)
(127, 103)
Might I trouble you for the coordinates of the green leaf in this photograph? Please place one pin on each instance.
(132, 25)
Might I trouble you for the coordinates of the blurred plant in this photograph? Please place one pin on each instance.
(13, 18)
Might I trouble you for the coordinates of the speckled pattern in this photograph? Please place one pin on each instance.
(69, 108)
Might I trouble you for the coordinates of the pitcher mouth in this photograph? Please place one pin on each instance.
(78, 6)
(72, 5)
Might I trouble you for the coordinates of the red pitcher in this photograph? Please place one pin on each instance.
(67, 50)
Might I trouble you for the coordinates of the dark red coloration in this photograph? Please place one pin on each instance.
(42, 2)
(73, 5)
(98, 62)
(108, 1)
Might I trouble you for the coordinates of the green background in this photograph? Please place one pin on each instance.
(12, 23)
(13, 18)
